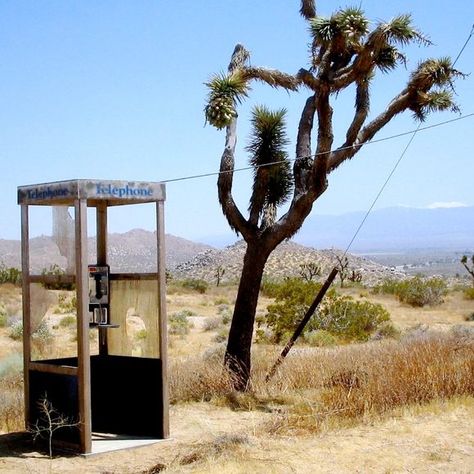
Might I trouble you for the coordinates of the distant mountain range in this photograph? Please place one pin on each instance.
(396, 228)
(129, 252)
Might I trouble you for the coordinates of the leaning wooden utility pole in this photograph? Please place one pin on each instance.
(304, 321)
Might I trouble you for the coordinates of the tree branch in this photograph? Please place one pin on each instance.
(272, 77)
(224, 183)
(398, 105)
(303, 161)
(325, 139)
(257, 200)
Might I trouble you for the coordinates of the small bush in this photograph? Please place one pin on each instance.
(200, 286)
(211, 324)
(221, 335)
(292, 299)
(178, 323)
(221, 301)
(11, 365)
(42, 333)
(389, 286)
(56, 270)
(351, 320)
(469, 293)
(415, 291)
(66, 304)
(3, 317)
(141, 335)
(68, 321)
(387, 330)
(341, 316)
(419, 292)
(269, 288)
(469, 317)
(320, 338)
(10, 275)
(16, 330)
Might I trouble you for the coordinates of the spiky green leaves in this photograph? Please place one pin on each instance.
(272, 176)
(349, 23)
(388, 58)
(433, 82)
(308, 9)
(401, 30)
(225, 90)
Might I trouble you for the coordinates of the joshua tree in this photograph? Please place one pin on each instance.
(342, 265)
(344, 52)
(469, 269)
(219, 274)
(309, 270)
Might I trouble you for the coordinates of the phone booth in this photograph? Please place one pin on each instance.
(102, 374)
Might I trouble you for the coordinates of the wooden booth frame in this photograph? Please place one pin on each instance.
(75, 373)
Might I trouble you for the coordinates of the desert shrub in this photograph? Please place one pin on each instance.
(221, 301)
(225, 313)
(141, 335)
(292, 299)
(469, 317)
(388, 286)
(386, 330)
(340, 316)
(10, 275)
(3, 317)
(200, 286)
(199, 379)
(56, 270)
(351, 320)
(16, 330)
(419, 292)
(11, 394)
(178, 323)
(67, 321)
(415, 291)
(221, 335)
(270, 288)
(226, 317)
(43, 333)
(320, 338)
(11, 365)
(469, 293)
(66, 304)
(211, 324)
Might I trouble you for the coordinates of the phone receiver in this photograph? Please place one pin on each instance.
(98, 286)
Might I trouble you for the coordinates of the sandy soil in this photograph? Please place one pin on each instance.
(439, 440)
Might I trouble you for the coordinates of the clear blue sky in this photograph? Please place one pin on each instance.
(114, 89)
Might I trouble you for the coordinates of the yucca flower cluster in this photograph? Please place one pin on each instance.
(225, 92)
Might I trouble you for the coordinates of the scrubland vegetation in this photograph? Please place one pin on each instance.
(365, 355)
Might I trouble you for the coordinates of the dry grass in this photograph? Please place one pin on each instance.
(316, 389)
(11, 402)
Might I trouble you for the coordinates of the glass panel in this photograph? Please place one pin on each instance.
(132, 238)
(134, 307)
(53, 322)
(52, 243)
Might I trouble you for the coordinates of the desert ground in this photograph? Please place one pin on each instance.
(214, 435)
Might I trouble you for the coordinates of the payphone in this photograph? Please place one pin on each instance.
(99, 295)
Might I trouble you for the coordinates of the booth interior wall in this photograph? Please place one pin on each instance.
(134, 307)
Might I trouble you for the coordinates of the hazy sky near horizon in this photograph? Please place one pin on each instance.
(114, 89)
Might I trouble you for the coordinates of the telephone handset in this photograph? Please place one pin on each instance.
(99, 293)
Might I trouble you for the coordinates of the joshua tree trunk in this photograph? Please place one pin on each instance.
(238, 358)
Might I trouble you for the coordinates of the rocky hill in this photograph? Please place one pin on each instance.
(132, 251)
(286, 260)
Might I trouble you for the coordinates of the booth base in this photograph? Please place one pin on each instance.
(107, 442)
